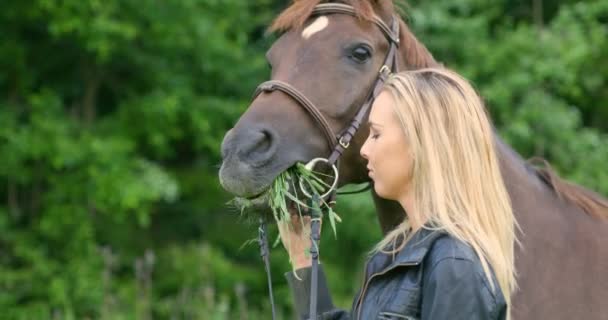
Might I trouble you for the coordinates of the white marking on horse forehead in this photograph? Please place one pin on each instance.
(315, 27)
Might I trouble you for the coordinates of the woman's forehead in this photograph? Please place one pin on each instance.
(382, 109)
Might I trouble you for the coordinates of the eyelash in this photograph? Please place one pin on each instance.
(375, 136)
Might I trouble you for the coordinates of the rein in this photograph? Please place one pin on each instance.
(336, 143)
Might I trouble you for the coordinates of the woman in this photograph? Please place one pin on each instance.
(430, 148)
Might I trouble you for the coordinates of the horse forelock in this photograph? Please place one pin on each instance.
(296, 15)
(414, 54)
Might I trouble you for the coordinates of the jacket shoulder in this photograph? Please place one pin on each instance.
(448, 249)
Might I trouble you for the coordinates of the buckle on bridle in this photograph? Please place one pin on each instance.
(344, 145)
(384, 72)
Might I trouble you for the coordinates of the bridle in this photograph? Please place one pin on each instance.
(337, 143)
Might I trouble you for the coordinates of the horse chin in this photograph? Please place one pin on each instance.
(259, 205)
(254, 205)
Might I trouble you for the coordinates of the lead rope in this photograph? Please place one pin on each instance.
(315, 235)
(264, 252)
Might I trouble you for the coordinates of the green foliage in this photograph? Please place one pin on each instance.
(112, 114)
(110, 122)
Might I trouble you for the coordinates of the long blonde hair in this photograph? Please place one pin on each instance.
(456, 179)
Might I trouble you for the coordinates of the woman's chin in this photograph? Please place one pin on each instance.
(381, 192)
(378, 190)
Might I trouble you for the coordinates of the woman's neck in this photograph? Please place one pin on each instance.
(408, 204)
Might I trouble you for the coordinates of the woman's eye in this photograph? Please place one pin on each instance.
(375, 136)
(361, 54)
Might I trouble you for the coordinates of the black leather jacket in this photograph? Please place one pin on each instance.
(434, 277)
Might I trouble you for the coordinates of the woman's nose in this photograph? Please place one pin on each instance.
(364, 151)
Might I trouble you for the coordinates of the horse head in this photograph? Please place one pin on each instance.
(332, 60)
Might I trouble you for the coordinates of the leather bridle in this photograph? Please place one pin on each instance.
(336, 143)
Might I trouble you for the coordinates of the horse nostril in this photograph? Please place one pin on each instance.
(258, 142)
(265, 141)
(259, 146)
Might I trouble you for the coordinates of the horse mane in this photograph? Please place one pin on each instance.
(589, 201)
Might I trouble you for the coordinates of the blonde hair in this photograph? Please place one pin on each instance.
(456, 179)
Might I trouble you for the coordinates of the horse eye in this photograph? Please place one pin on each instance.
(361, 54)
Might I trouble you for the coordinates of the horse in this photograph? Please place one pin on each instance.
(562, 256)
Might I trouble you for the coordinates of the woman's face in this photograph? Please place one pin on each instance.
(386, 150)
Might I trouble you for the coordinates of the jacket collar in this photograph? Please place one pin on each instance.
(417, 248)
(411, 254)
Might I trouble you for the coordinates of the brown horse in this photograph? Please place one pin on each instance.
(563, 261)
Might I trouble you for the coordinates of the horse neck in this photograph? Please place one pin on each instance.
(541, 200)
(520, 179)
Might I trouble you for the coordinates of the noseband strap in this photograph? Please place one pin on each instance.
(289, 90)
(337, 143)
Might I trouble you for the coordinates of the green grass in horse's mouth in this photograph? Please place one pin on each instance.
(283, 197)
(284, 187)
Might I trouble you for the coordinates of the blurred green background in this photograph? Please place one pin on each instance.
(112, 114)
